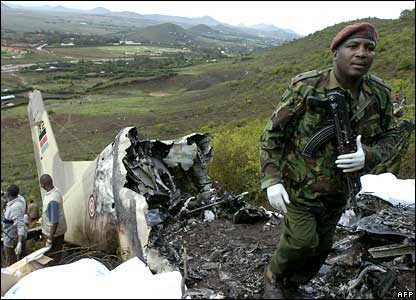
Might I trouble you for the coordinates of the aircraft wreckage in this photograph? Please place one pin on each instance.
(154, 200)
(113, 202)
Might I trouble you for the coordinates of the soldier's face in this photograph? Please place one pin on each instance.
(354, 57)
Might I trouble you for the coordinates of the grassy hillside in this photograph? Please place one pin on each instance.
(105, 29)
(167, 33)
(231, 99)
(394, 63)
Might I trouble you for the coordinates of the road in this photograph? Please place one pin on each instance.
(40, 48)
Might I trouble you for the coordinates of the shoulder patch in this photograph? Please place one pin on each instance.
(303, 76)
(379, 81)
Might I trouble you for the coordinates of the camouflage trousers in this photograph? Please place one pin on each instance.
(305, 241)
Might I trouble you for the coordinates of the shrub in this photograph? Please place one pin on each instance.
(236, 160)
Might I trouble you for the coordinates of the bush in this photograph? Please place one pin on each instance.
(236, 160)
(236, 164)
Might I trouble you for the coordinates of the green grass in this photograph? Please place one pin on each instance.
(101, 105)
(140, 49)
(232, 101)
(33, 56)
(10, 81)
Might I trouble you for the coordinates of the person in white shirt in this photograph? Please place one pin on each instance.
(53, 218)
(14, 227)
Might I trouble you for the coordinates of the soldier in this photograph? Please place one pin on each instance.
(312, 192)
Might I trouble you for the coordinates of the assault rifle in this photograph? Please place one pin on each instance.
(339, 126)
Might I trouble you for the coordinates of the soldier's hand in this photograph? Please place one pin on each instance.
(18, 249)
(278, 197)
(353, 161)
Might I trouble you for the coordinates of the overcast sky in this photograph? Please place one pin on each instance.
(303, 17)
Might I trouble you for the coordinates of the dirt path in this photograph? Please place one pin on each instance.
(40, 48)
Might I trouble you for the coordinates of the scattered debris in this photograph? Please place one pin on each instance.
(226, 258)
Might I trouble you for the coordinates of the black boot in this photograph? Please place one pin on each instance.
(273, 287)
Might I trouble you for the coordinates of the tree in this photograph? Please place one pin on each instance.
(407, 14)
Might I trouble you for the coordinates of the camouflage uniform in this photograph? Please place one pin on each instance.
(316, 187)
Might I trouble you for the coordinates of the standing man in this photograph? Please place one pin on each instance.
(53, 218)
(14, 228)
(312, 192)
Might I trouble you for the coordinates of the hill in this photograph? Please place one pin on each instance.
(203, 29)
(234, 40)
(231, 99)
(166, 34)
(100, 21)
(258, 95)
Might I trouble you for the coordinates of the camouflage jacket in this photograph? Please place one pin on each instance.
(293, 123)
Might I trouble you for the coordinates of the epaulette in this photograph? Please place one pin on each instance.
(303, 76)
(379, 81)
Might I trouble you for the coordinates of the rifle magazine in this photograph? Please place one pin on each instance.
(318, 139)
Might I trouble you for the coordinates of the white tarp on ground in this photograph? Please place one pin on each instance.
(88, 279)
(389, 188)
(385, 186)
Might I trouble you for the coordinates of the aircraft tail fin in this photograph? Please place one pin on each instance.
(44, 144)
(47, 156)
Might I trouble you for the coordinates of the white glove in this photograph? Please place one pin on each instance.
(18, 249)
(353, 161)
(48, 243)
(277, 196)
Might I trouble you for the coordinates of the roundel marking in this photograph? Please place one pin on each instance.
(91, 206)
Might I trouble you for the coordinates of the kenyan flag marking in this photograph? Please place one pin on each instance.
(43, 140)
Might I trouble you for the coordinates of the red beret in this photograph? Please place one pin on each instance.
(358, 30)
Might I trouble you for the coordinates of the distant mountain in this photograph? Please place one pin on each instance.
(270, 31)
(277, 35)
(165, 34)
(202, 32)
(203, 29)
(207, 21)
(182, 21)
(57, 8)
(232, 39)
(100, 10)
(264, 27)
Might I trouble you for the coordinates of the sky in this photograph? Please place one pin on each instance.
(303, 17)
